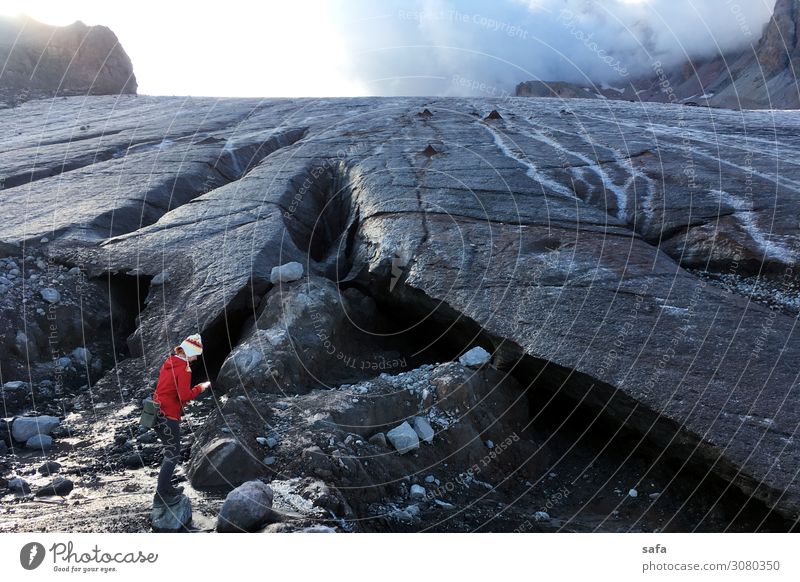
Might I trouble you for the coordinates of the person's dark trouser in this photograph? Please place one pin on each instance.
(169, 432)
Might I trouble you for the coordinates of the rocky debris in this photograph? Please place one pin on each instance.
(60, 486)
(26, 427)
(45, 317)
(541, 516)
(246, 508)
(46, 61)
(40, 441)
(171, 518)
(633, 493)
(425, 113)
(403, 438)
(493, 115)
(475, 358)
(286, 273)
(423, 429)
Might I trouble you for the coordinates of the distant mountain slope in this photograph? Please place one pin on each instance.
(38, 60)
(763, 76)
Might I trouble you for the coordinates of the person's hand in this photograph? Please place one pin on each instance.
(205, 386)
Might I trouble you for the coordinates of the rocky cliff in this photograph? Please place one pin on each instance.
(761, 76)
(630, 270)
(44, 61)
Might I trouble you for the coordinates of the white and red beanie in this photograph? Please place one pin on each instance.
(192, 345)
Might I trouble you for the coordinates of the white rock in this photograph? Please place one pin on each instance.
(82, 356)
(633, 493)
(541, 516)
(403, 438)
(475, 358)
(160, 279)
(490, 444)
(286, 273)
(430, 479)
(261, 440)
(423, 429)
(417, 492)
(50, 295)
(272, 442)
(25, 427)
(15, 385)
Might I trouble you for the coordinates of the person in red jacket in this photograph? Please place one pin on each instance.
(173, 390)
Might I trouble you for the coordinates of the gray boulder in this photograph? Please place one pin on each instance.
(160, 279)
(81, 356)
(49, 468)
(19, 486)
(246, 508)
(423, 429)
(171, 518)
(224, 462)
(403, 438)
(50, 295)
(286, 273)
(25, 427)
(417, 492)
(297, 318)
(475, 358)
(59, 486)
(378, 439)
(40, 441)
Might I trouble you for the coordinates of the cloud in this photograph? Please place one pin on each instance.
(444, 47)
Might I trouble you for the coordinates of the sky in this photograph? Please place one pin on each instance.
(246, 48)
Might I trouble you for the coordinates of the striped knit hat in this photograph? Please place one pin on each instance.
(192, 345)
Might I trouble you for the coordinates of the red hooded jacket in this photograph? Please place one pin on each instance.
(174, 388)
